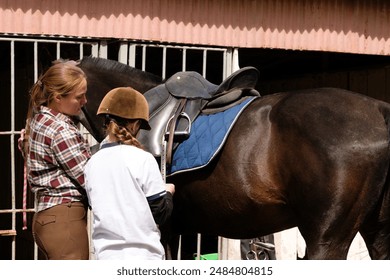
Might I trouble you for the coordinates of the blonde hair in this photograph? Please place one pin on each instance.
(121, 133)
(63, 77)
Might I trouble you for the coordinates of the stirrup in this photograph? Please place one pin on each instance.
(179, 135)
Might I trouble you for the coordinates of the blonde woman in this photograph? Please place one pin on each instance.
(56, 156)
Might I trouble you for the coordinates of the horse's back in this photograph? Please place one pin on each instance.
(328, 111)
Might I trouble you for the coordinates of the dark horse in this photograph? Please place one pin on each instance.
(316, 159)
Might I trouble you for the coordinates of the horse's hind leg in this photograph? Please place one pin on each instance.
(327, 248)
(376, 231)
(377, 242)
(332, 233)
(330, 227)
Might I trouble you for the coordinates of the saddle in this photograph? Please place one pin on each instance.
(175, 105)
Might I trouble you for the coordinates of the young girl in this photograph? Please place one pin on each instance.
(128, 196)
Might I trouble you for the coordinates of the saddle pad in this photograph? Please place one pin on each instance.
(208, 134)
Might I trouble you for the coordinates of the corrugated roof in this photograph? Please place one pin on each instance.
(332, 25)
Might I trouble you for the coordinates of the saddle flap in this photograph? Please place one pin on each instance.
(190, 85)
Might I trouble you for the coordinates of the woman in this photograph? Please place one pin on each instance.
(57, 153)
(128, 196)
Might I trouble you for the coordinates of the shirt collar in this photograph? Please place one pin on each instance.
(58, 115)
(109, 144)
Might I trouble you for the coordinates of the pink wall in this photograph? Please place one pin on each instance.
(328, 25)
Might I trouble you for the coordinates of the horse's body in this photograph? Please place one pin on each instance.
(316, 159)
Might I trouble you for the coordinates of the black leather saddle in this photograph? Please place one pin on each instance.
(175, 104)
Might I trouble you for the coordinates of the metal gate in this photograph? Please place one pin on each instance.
(22, 62)
(23, 59)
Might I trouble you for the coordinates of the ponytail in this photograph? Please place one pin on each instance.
(118, 129)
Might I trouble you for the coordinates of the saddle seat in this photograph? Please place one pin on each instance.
(175, 104)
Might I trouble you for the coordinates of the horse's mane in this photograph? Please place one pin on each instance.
(112, 66)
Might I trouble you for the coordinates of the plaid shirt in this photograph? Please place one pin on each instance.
(58, 153)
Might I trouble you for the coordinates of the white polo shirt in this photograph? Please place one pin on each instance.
(120, 179)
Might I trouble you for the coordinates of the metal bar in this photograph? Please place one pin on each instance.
(179, 47)
(58, 50)
(95, 50)
(204, 66)
(35, 79)
(103, 49)
(35, 61)
(179, 248)
(235, 60)
(18, 39)
(132, 54)
(90, 232)
(13, 204)
(198, 246)
(12, 132)
(143, 58)
(122, 52)
(219, 247)
(7, 211)
(7, 232)
(227, 66)
(184, 58)
(81, 50)
(164, 63)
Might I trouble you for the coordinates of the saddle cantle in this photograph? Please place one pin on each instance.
(184, 96)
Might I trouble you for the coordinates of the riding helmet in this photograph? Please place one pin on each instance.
(126, 103)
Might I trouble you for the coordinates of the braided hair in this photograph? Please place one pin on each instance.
(118, 128)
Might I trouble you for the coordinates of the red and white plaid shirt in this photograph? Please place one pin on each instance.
(57, 156)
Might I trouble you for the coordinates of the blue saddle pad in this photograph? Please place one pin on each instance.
(208, 134)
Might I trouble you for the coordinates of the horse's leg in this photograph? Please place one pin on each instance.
(348, 190)
(376, 230)
(327, 240)
(331, 233)
(376, 227)
(330, 228)
(323, 248)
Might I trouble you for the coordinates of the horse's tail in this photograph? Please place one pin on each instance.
(385, 207)
(378, 240)
(385, 109)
